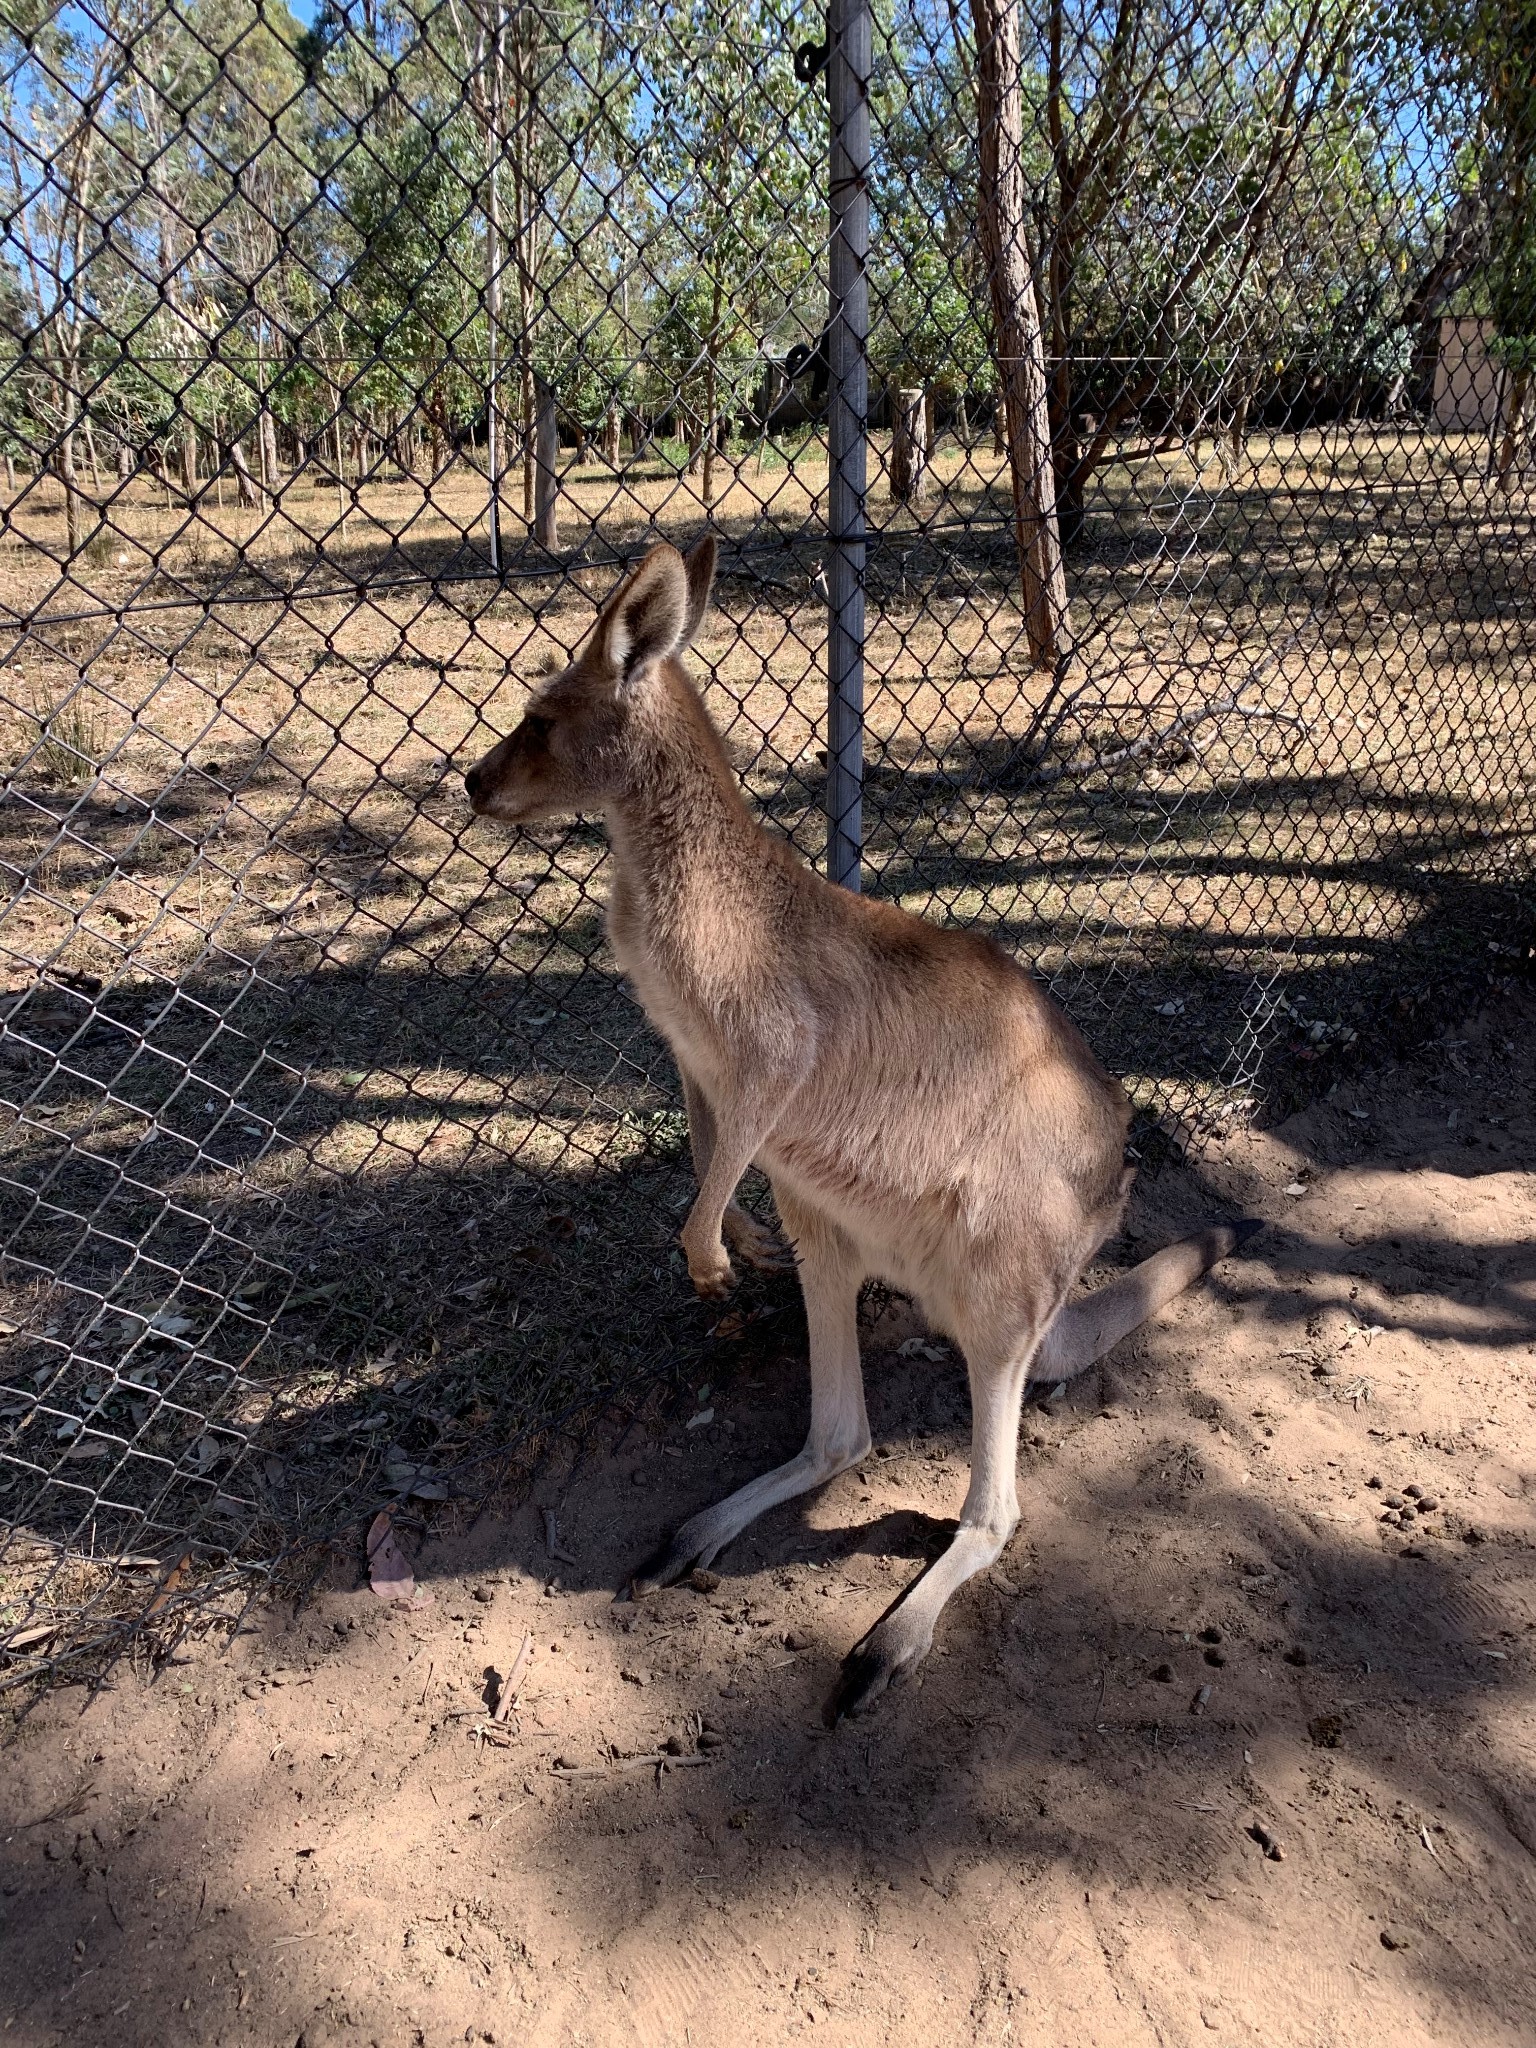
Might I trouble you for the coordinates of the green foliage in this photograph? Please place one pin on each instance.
(1485, 51)
(264, 218)
(931, 321)
(929, 332)
(734, 161)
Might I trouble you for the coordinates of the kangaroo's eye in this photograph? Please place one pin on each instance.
(538, 729)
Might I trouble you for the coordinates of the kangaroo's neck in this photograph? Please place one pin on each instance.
(681, 831)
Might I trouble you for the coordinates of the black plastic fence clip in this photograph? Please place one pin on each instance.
(811, 59)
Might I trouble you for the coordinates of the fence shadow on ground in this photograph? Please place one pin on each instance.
(414, 1215)
(1042, 1746)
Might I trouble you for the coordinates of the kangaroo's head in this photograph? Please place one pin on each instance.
(573, 748)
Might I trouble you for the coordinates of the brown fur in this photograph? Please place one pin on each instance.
(924, 1111)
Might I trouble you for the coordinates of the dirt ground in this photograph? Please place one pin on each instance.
(1203, 1638)
(296, 1059)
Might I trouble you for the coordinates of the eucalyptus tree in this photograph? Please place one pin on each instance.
(548, 86)
(61, 76)
(213, 247)
(733, 156)
(1488, 48)
(928, 287)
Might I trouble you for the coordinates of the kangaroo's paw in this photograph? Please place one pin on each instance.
(756, 1243)
(684, 1551)
(713, 1277)
(709, 1264)
(891, 1650)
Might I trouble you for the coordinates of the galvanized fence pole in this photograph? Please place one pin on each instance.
(849, 48)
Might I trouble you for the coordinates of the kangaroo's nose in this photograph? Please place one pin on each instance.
(472, 783)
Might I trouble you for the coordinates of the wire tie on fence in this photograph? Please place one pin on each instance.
(811, 60)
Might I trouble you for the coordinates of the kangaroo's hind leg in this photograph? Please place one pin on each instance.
(830, 1275)
(903, 1635)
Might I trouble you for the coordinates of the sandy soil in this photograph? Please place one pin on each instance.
(1049, 1836)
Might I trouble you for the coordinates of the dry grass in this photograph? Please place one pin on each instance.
(301, 1056)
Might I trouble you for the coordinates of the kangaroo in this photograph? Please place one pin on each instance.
(925, 1114)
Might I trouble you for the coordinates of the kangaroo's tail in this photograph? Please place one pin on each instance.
(1084, 1330)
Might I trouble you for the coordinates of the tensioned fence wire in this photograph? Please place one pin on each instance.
(348, 361)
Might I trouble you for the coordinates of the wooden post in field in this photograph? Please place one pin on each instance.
(611, 450)
(909, 446)
(546, 453)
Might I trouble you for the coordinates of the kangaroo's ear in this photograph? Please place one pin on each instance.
(699, 567)
(646, 619)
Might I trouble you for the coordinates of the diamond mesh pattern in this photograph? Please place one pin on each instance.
(346, 358)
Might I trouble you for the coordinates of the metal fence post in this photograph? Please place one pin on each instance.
(849, 57)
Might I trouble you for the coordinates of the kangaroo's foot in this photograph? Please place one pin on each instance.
(687, 1549)
(892, 1650)
(710, 1270)
(761, 1247)
(903, 1636)
(704, 1535)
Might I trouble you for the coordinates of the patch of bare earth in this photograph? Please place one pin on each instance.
(1204, 1639)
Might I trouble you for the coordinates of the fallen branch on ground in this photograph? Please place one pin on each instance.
(659, 1761)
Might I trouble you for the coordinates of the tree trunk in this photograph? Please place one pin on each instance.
(341, 466)
(1239, 436)
(909, 447)
(546, 453)
(611, 450)
(1016, 323)
(999, 429)
(266, 441)
(962, 423)
(124, 462)
(10, 473)
(530, 452)
(708, 439)
(1507, 461)
(90, 453)
(250, 496)
(189, 459)
(73, 504)
(636, 433)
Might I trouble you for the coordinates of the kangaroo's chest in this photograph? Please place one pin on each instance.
(677, 1007)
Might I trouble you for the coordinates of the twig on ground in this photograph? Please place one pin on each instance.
(659, 1761)
(552, 1539)
(1110, 758)
(506, 1699)
(66, 1809)
(497, 1729)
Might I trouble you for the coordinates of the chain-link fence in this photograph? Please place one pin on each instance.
(1154, 487)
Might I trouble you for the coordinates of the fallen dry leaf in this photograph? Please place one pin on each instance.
(170, 1583)
(389, 1569)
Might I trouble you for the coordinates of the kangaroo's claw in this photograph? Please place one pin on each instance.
(754, 1242)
